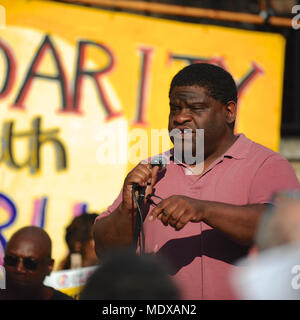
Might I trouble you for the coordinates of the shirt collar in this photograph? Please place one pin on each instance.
(240, 148)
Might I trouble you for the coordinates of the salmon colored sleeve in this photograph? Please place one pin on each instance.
(275, 174)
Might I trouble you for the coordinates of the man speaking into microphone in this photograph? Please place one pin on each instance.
(200, 216)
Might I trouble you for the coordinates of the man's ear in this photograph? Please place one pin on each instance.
(231, 112)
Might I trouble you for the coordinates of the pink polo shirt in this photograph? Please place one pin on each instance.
(202, 258)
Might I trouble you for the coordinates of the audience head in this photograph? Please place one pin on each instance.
(272, 274)
(80, 242)
(280, 223)
(124, 275)
(27, 261)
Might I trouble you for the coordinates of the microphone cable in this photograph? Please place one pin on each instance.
(139, 235)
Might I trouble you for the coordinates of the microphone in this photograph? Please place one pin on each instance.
(155, 161)
(159, 161)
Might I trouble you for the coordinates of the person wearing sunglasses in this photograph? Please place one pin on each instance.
(27, 262)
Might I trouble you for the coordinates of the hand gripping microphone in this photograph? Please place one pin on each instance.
(155, 161)
(159, 161)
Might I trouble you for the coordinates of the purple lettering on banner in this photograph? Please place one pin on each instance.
(39, 212)
(79, 208)
(7, 205)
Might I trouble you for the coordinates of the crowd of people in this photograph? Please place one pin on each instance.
(233, 206)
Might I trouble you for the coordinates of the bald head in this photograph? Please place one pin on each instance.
(35, 237)
(280, 226)
(27, 262)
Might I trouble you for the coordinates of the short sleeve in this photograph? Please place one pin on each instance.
(275, 174)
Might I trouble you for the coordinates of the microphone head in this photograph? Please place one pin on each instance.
(160, 161)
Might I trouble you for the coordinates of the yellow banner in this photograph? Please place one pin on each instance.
(82, 88)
